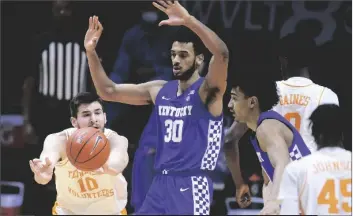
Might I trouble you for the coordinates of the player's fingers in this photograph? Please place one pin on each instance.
(33, 168)
(95, 18)
(36, 160)
(164, 3)
(90, 22)
(164, 22)
(158, 6)
(47, 162)
(169, 2)
(100, 26)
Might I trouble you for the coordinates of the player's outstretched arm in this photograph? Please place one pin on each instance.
(141, 94)
(43, 167)
(118, 158)
(217, 75)
(271, 140)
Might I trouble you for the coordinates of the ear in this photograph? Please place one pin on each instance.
(252, 102)
(74, 122)
(105, 119)
(199, 59)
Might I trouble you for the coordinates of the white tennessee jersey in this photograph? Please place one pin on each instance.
(81, 192)
(321, 183)
(299, 97)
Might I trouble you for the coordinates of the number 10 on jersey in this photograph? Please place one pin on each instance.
(174, 130)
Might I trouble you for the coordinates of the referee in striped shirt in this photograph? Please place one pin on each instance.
(59, 71)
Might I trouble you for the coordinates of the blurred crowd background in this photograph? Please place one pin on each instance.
(43, 65)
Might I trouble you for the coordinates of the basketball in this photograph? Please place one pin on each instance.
(88, 149)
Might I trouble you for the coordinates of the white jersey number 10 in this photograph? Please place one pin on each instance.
(174, 130)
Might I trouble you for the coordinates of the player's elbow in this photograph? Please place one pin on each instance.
(106, 93)
(223, 53)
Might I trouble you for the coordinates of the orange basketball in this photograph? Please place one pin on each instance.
(88, 149)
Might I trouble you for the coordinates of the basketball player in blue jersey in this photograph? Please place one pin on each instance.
(275, 140)
(189, 113)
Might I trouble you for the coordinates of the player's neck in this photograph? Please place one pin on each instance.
(303, 72)
(185, 84)
(252, 120)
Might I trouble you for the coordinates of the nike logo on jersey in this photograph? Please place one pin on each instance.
(164, 98)
(174, 112)
(184, 189)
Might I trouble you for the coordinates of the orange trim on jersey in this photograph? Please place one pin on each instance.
(53, 210)
(123, 212)
(303, 185)
(323, 89)
(295, 86)
(301, 190)
(301, 209)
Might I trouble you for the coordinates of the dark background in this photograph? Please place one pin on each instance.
(249, 36)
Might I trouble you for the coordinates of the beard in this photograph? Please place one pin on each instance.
(186, 74)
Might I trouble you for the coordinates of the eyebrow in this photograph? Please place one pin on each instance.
(86, 111)
(180, 51)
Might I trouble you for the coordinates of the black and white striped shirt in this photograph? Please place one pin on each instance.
(62, 70)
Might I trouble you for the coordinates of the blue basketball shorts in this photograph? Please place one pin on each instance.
(178, 194)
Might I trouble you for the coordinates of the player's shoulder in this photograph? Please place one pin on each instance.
(302, 164)
(114, 137)
(66, 132)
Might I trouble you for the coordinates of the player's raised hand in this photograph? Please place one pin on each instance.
(242, 196)
(93, 33)
(43, 171)
(105, 169)
(177, 14)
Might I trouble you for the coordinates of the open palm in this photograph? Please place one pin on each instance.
(177, 14)
(41, 168)
(93, 33)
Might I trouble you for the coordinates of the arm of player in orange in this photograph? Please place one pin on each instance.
(272, 141)
(288, 193)
(43, 167)
(133, 94)
(118, 158)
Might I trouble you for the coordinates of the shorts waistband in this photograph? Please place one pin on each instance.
(182, 173)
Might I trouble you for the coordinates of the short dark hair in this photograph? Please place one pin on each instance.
(257, 80)
(83, 98)
(327, 127)
(185, 35)
(298, 50)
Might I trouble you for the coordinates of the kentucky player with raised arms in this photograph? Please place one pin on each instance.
(321, 183)
(189, 113)
(275, 141)
(80, 192)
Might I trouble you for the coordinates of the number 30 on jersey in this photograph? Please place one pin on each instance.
(174, 130)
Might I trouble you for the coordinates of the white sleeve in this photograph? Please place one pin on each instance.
(288, 192)
(328, 97)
